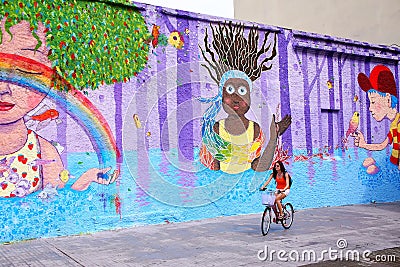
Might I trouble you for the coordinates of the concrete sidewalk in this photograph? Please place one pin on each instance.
(225, 241)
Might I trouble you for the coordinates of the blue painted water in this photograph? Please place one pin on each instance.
(165, 190)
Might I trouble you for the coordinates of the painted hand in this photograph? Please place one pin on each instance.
(284, 124)
(94, 175)
(273, 129)
(359, 140)
(104, 178)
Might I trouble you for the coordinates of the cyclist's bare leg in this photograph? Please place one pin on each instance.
(278, 199)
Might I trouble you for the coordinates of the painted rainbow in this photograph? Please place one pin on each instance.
(36, 76)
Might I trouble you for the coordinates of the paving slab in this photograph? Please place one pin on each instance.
(227, 241)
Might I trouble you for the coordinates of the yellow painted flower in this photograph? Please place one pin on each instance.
(176, 39)
(255, 146)
(329, 83)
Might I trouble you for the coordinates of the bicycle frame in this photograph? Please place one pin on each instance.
(275, 209)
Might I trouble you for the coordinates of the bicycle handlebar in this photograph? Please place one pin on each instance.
(278, 191)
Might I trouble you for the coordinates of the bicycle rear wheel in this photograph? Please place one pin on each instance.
(266, 221)
(288, 212)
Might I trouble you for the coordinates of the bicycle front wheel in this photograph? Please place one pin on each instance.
(288, 212)
(266, 221)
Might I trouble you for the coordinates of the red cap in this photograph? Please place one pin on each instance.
(381, 79)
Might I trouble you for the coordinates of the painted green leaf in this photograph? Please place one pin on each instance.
(87, 22)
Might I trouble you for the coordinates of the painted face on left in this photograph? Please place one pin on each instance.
(23, 43)
(16, 101)
(236, 96)
(379, 106)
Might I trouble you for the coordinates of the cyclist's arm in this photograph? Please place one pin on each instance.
(266, 183)
(287, 181)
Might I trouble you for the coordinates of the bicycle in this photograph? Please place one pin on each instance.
(269, 202)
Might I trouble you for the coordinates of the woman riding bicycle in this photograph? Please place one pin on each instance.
(282, 180)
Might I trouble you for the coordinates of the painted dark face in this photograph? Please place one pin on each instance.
(236, 96)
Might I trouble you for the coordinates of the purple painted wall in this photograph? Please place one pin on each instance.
(155, 122)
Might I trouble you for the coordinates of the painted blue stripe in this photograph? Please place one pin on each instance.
(284, 86)
(368, 116)
(361, 95)
(162, 93)
(184, 115)
(319, 102)
(307, 116)
(331, 103)
(353, 84)
(341, 118)
(118, 119)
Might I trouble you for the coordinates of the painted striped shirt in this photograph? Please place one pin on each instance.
(394, 137)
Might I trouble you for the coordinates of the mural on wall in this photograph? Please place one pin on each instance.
(115, 114)
(56, 49)
(234, 144)
(383, 99)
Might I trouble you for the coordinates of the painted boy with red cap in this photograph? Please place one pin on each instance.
(382, 94)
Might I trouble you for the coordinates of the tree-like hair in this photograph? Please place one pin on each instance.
(230, 50)
(90, 42)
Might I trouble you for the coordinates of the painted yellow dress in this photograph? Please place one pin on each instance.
(243, 150)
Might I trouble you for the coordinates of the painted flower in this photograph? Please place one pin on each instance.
(176, 39)
(329, 83)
